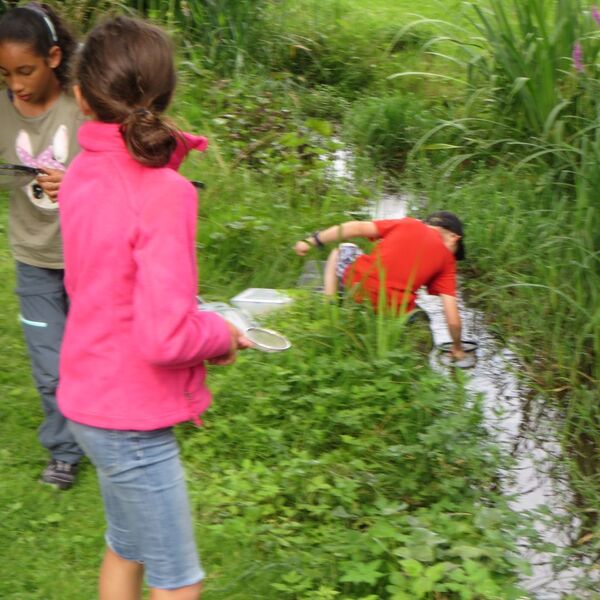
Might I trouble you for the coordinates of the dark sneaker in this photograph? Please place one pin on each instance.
(59, 474)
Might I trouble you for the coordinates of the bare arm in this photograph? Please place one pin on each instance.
(338, 233)
(454, 325)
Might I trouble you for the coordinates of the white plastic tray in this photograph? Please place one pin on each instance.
(229, 313)
(260, 300)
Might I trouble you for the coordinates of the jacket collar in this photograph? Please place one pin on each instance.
(96, 136)
(101, 137)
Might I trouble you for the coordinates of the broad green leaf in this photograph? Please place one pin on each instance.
(411, 567)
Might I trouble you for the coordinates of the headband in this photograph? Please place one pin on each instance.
(49, 24)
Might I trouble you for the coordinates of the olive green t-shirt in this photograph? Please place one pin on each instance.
(48, 140)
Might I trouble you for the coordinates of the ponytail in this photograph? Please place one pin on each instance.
(150, 139)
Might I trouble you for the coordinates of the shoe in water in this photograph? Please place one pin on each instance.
(59, 474)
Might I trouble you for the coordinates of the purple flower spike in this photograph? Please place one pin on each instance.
(596, 14)
(578, 57)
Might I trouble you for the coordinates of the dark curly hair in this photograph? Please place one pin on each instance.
(28, 25)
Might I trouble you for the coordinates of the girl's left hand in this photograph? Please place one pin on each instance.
(50, 182)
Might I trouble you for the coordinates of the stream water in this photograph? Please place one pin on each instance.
(534, 482)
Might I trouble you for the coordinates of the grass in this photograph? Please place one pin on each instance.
(290, 475)
(536, 278)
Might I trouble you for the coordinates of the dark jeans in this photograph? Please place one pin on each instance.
(44, 307)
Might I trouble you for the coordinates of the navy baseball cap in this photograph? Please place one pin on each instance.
(449, 221)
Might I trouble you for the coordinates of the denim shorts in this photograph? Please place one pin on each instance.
(145, 501)
(347, 254)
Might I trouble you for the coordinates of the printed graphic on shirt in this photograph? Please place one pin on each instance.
(53, 157)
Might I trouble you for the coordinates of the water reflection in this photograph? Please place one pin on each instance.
(536, 482)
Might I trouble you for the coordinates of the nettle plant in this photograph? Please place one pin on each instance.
(271, 139)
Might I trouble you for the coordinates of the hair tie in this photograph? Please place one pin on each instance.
(38, 10)
(141, 112)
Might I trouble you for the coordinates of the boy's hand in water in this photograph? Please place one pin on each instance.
(50, 182)
(238, 342)
(457, 353)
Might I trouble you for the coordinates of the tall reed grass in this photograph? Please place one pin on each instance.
(532, 106)
(226, 34)
(524, 151)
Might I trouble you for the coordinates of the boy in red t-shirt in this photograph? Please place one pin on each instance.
(409, 254)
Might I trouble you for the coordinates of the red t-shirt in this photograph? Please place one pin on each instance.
(408, 256)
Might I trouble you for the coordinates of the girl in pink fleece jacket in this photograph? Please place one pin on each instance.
(134, 346)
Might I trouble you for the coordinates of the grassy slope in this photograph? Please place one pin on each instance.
(289, 475)
(44, 532)
(270, 470)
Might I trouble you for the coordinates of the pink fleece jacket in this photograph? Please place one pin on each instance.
(134, 344)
